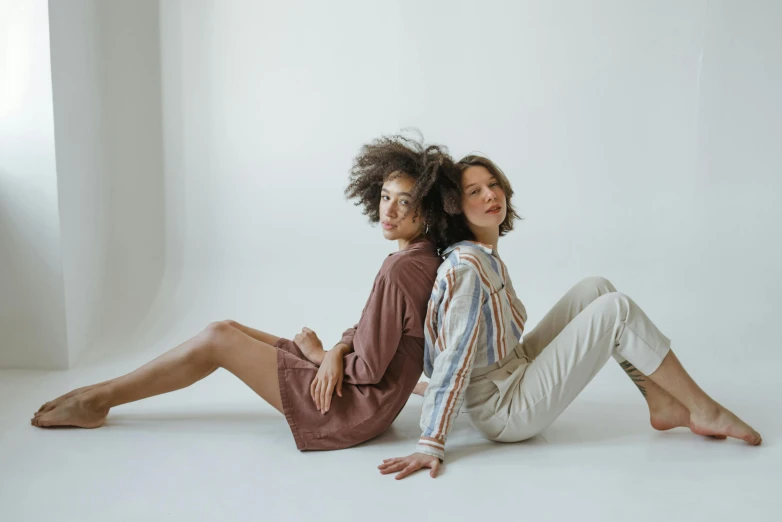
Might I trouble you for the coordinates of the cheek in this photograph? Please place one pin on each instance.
(472, 211)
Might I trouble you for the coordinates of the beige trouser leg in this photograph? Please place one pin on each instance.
(591, 323)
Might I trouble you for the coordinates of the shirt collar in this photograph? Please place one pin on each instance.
(475, 244)
(417, 246)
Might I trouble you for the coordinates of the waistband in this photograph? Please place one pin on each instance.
(516, 353)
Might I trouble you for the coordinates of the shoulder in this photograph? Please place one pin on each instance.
(410, 273)
(400, 267)
(467, 256)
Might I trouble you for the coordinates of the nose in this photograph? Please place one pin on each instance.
(390, 210)
(489, 194)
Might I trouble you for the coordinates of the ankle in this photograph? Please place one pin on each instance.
(708, 409)
(99, 398)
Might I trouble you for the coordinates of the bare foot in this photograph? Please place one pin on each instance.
(721, 423)
(59, 400)
(420, 388)
(666, 413)
(85, 410)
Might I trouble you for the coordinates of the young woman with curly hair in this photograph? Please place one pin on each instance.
(514, 386)
(374, 366)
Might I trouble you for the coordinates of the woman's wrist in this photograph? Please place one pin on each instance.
(342, 349)
(318, 356)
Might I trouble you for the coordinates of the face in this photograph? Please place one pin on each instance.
(483, 200)
(397, 211)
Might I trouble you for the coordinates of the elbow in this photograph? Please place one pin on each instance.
(372, 377)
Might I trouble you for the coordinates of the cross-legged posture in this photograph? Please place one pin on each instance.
(375, 365)
(514, 385)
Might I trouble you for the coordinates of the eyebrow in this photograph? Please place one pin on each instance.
(398, 193)
(492, 178)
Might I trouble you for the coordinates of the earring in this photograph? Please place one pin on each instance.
(426, 230)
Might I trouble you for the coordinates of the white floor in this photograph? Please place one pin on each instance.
(216, 452)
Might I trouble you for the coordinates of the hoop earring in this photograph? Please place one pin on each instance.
(426, 230)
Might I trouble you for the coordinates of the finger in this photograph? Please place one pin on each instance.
(312, 389)
(324, 396)
(435, 469)
(407, 471)
(329, 394)
(306, 330)
(317, 395)
(388, 462)
(339, 386)
(399, 466)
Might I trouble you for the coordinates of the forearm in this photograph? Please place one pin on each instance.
(341, 348)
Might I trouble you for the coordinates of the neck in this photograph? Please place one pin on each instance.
(487, 236)
(404, 243)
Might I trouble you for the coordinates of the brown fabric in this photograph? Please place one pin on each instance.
(384, 367)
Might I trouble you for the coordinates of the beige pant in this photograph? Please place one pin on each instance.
(518, 397)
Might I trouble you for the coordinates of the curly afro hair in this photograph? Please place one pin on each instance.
(456, 228)
(432, 168)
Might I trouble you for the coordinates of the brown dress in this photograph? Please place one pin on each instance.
(384, 367)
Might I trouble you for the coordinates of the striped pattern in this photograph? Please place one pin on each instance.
(473, 319)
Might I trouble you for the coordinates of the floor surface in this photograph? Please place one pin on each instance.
(216, 452)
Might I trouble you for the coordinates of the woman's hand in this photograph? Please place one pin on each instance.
(329, 377)
(409, 464)
(310, 345)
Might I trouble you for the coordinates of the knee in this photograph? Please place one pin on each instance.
(231, 323)
(212, 341)
(598, 283)
(612, 304)
(215, 333)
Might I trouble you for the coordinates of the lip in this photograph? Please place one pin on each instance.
(387, 226)
(495, 209)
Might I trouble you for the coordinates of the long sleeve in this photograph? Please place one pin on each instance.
(377, 335)
(348, 335)
(518, 311)
(460, 316)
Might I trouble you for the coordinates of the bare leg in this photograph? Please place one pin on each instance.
(252, 332)
(665, 412)
(707, 417)
(220, 345)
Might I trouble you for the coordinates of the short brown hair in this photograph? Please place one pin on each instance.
(458, 229)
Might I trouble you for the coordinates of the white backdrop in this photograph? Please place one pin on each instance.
(641, 138)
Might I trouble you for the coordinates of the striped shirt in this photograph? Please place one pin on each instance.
(473, 320)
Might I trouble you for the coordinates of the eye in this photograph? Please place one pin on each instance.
(474, 192)
(494, 184)
(384, 198)
(403, 201)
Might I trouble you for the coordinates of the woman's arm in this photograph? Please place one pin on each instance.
(457, 343)
(347, 337)
(378, 334)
